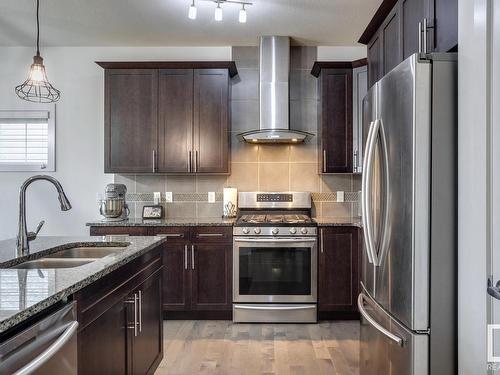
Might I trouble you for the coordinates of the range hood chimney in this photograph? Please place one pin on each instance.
(274, 95)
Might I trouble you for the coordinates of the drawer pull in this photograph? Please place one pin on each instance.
(171, 235)
(211, 235)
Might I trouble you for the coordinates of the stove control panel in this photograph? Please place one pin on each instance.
(275, 231)
(274, 197)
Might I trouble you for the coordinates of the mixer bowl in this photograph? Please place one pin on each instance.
(112, 208)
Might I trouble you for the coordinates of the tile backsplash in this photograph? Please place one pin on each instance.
(257, 167)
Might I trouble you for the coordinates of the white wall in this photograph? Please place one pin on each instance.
(337, 53)
(79, 130)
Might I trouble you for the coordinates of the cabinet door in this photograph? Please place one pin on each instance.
(130, 140)
(374, 57)
(338, 269)
(211, 276)
(336, 120)
(445, 25)
(391, 40)
(103, 343)
(412, 12)
(176, 276)
(211, 121)
(175, 120)
(147, 345)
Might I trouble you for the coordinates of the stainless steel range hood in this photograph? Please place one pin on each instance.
(274, 95)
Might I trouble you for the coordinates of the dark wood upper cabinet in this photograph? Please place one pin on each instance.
(211, 121)
(412, 13)
(391, 39)
(175, 115)
(335, 121)
(167, 117)
(338, 269)
(131, 107)
(394, 30)
(374, 57)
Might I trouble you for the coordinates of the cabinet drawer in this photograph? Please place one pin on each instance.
(212, 234)
(131, 231)
(172, 233)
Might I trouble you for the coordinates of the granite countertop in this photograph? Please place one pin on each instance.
(180, 222)
(336, 221)
(25, 292)
(216, 221)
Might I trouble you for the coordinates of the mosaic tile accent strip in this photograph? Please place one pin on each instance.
(349, 196)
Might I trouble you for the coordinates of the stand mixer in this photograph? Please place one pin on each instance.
(114, 206)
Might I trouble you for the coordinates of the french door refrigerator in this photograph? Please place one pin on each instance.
(408, 279)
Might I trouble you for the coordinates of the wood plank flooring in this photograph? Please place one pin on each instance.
(221, 347)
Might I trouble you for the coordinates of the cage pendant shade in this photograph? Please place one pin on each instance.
(37, 87)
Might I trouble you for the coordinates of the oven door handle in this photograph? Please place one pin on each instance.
(245, 307)
(273, 240)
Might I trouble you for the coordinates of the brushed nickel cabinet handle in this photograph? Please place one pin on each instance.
(420, 37)
(321, 239)
(324, 160)
(185, 257)
(154, 161)
(134, 301)
(192, 257)
(211, 235)
(170, 235)
(140, 310)
(190, 162)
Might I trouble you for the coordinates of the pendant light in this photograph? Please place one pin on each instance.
(243, 14)
(192, 11)
(37, 88)
(218, 12)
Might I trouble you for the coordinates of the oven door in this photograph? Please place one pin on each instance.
(275, 270)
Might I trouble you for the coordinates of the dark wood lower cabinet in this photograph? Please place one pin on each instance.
(176, 277)
(338, 282)
(121, 326)
(211, 280)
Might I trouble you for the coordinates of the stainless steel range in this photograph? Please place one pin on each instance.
(274, 258)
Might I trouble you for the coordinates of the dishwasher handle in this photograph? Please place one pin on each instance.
(50, 352)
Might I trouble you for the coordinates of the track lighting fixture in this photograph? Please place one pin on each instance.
(218, 16)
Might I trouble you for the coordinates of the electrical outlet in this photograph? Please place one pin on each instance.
(169, 197)
(211, 197)
(340, 196)
(156, 197)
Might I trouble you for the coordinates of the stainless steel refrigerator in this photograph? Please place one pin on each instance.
(408, 279)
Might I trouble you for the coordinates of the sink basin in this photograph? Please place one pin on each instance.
(86, 252)
(74, 256)
(54, 263)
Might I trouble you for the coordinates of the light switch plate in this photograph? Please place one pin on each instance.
(156, 197)
(169, 197)
(340, 196)
(211, 197)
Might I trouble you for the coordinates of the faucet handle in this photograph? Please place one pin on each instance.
(32, 235)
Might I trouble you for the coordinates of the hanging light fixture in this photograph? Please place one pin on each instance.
(37, 88)
(218, 12)
(243, 14)
(192, 11)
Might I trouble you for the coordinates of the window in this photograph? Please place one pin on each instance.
(27, 141)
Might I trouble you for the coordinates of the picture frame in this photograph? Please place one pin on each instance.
(152, 212)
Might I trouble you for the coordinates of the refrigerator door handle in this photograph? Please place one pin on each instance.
(398, 340)
(366, 189)
(364, 208)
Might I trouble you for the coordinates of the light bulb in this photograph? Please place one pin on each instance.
(37, 73)
(243, 15)
(192, 12)
(218, 13)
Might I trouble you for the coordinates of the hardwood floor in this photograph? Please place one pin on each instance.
(221, 347)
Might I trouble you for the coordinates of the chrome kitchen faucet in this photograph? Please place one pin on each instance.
(24, 237)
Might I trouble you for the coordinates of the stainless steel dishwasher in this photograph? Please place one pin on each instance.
(48, 346)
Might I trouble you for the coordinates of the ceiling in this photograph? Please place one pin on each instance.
(165, 22)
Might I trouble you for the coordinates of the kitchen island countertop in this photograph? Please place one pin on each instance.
(26, 292)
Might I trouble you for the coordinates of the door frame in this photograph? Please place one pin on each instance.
(478, 178)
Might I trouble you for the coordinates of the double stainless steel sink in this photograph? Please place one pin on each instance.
(74, 256)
